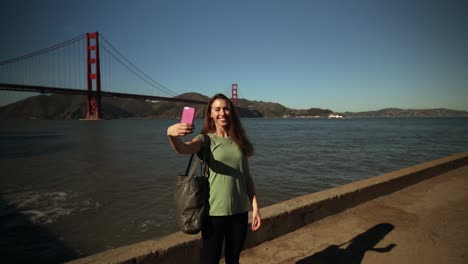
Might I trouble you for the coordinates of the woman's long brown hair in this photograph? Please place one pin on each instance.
(235, 129)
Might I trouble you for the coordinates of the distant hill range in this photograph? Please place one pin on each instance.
(397, 112)
(74, 107)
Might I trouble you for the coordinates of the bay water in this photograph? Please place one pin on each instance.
(69, 189)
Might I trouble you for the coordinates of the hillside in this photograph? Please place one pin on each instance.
(58, 106)
(397, 112)
(74, 107)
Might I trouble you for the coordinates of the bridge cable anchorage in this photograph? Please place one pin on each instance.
(155, 83)
(39, 52)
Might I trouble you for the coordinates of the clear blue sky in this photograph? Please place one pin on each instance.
(340, 55)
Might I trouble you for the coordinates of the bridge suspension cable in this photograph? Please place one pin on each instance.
(75, 66)
(46, 67)
(46, 50)
(61, 65)
(136, 70)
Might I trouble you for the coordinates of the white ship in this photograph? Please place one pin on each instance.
(335, 116)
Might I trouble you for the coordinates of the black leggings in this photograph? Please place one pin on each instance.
(230, 229)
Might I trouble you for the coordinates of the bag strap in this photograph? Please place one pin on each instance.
(206, 154)
(188, 165)
(192, 164)
(206, 148)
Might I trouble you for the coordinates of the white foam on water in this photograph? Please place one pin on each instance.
(48, 207)
(148, 225)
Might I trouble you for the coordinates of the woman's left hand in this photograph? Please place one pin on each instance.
(256, 220)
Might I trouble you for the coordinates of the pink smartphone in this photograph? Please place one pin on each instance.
(188, 115)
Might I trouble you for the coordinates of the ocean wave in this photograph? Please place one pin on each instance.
(48, 207)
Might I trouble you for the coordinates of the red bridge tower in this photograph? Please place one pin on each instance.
(93, 73)
(234, 95)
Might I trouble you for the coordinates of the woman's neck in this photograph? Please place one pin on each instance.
(221, 132)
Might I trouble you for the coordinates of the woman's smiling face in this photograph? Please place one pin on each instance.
(220, 112)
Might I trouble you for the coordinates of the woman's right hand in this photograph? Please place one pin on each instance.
(180, 129)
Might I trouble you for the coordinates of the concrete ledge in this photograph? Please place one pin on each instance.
(174, 248)
(284, 217)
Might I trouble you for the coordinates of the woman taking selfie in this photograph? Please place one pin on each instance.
(232, 190)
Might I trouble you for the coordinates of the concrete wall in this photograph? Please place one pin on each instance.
(284, 217)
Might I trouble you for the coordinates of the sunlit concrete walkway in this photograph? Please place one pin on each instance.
(424, 223)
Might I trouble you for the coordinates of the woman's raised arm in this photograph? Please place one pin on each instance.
(178, 130)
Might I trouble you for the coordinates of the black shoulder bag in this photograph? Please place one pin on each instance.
(192, 192)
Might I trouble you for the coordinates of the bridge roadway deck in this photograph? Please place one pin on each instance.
(423, 223)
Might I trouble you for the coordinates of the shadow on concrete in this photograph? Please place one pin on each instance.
(354, 252)
(22, 241)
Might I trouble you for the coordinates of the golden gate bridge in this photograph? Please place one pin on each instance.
(86, 65)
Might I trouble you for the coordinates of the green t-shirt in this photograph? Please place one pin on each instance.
(228, 190)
